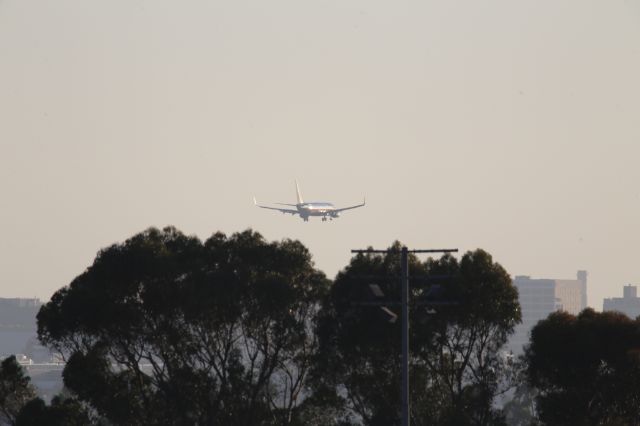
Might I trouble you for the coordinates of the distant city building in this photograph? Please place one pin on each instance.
(540, 297)
(19, 313)
(573, 293)
(629, 304)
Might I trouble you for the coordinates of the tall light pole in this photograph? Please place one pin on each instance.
(404, 301)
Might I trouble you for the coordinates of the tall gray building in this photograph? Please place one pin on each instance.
(540, 297)
(629, 304)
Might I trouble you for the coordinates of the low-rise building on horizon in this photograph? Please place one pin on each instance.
(628, 304)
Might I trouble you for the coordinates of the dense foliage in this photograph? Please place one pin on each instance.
(165, 329)
(456, 367)
(61, 412)
(15, 390)
(586, 368)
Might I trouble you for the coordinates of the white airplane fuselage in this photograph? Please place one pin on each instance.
(316, 209)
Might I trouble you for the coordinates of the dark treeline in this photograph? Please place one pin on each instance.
(165, 329)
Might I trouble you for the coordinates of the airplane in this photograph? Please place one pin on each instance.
(326, 210)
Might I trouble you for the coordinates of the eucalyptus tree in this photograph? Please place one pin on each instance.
(457, 365)
(15, 390)
(586, 368)
(61, 412)
(166, 329)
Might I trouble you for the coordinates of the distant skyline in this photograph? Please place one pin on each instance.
(509, 126)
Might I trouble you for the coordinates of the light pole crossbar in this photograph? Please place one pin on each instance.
(408, 251)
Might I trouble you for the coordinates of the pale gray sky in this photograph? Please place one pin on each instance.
(508, 125)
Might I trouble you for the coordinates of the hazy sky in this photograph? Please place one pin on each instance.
(513, 126)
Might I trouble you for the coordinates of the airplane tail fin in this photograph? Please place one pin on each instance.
(298, 194)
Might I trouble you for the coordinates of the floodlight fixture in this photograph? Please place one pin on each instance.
(376, 290)
(393, 317)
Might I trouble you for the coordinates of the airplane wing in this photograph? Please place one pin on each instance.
(350, 207)
(290, 211)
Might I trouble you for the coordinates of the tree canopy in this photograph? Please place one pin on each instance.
(61, 412)
(586, 368)
(166, 329)
(15, 390)
(456, 367)
(237, 331)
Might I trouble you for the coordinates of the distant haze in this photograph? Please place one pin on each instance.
(510, 126)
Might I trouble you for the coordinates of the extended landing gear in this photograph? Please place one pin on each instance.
(324, 218)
